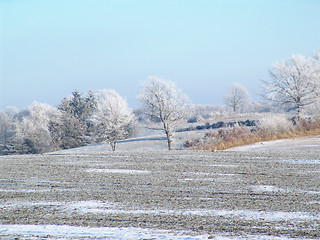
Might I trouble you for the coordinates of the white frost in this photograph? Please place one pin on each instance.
(63, 232)
(103, 208)
(122, 171)
(73, 232)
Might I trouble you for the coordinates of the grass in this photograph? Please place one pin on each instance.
(268, 130)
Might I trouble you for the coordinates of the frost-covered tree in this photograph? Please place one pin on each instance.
(74, 128)
(112, 117)
(316, 56)
(163, 102)
(34, 127)
(8, 130)
(294, 83)
(27, 131)
(236, 97)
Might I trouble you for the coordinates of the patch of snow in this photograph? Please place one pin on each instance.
(206, 199)
(95, 163)
(195, 173)
(25, 190)
(283, 144)
(256, 215)
(122, 171)
(225, 174)
(31, 204)
(88, 206)
(207, 179)
(293, 161)
(223, 165)
(255, 146)
(74, 232)
(195, 179)
(63, 232)
(99, 207)
(267, 188)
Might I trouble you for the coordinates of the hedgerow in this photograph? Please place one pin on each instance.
(267, 129)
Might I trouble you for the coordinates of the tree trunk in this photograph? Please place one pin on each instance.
(299, 112)
(167, 131)
(169, 140)
(114, 144)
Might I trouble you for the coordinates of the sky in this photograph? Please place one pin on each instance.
(49, 48)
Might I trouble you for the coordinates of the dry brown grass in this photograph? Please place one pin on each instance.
(239, 136)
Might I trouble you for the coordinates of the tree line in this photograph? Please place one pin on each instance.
(104, 116)
(100, 116)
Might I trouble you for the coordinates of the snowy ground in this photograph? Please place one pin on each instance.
(144, 191)
(303, 143)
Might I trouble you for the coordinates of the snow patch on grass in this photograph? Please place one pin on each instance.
(31, 204)
(293, 161)
(121, 171)
(63, 232)
(103, 208)
(90, 206)
(195, 179)
(25, 190)
(267, 188)
(225, 174)
(195, 173)
(223, 165)
(73, 232)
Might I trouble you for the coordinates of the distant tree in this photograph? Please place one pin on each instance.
(8, 131)
(236, 97)
(316, 56)
(112, 117)
(163, 102)
(78, 106)
(34, 127)
(294, 83)
(27, 131)
(73, 130)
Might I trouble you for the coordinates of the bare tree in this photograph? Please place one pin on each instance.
(294, 83)
(164, 103)
(112, 117)
(236, 97)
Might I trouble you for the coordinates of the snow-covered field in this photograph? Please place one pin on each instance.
(303, 143)
(144, 191)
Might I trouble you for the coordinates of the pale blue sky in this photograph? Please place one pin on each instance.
(48, 48)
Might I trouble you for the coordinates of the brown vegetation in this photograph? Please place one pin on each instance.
(238, 136)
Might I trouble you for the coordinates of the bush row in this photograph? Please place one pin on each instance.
(265, 130)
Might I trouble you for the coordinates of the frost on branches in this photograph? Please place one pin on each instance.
(27, 131)
(163, 103)
(295, 83)
(73, 129)
(236, 97)
(112, 117)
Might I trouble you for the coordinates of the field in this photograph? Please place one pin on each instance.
(152, 193)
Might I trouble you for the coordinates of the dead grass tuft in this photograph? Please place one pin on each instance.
(239, 136)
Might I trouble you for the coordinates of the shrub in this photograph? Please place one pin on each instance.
(275, 124)
(271, 128)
